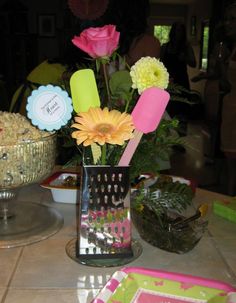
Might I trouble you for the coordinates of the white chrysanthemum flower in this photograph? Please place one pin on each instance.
(148, 72)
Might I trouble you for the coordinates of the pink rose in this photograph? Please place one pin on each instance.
(98, 42)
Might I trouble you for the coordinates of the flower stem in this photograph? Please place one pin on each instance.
(107, 85)
(128, 101)
(104, 151)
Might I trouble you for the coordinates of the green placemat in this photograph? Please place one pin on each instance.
(226, 208)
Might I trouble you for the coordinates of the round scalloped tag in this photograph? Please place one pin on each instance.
(49, 107)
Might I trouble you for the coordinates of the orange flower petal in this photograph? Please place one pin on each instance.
(102, 126)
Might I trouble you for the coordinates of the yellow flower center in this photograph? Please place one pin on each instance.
(156, 73)
(104, 128)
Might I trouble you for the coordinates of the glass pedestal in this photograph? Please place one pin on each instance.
(28, 223)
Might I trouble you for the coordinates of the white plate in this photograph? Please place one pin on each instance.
(61, 192)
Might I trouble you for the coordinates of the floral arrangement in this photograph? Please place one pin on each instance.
(108, 128)
(110, 133)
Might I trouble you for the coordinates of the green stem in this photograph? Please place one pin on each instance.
(107, 85)
(128, 101)
(104, 151)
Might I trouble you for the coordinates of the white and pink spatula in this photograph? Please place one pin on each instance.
(146, 116)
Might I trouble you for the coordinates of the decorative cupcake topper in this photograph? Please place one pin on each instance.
(49, 107)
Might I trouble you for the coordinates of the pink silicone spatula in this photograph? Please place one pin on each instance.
(146, 116)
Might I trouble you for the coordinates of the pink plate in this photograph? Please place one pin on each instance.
(142, 285)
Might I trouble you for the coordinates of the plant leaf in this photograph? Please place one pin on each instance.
(120, 84)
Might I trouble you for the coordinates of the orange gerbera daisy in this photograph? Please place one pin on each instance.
(102, 126)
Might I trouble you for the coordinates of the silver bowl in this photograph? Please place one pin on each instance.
(22, 164)
(27, 162)
(23, 222)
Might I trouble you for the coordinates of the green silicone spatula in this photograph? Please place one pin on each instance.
(84, 91)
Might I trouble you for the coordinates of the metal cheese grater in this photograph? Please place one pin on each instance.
(104, 225)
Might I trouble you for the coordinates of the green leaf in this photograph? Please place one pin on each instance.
(120, 84)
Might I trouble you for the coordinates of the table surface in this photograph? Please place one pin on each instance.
(43, 272)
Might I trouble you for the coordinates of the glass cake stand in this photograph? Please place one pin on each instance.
(22, 222)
